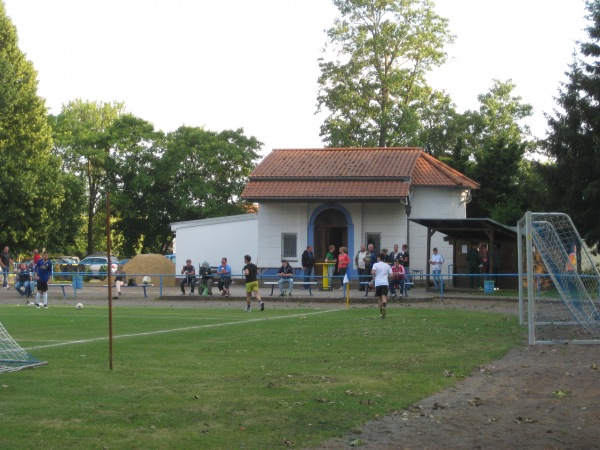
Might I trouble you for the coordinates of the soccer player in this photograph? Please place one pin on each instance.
(43, 275)
(250, 271)
(382, 273)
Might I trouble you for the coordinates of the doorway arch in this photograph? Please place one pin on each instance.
(330, 224)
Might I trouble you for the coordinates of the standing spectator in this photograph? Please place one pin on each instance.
(382, 273)
(224, 271)
(485, 262)
(386, 258)
(436, 262)
(370, 259)
(330, 260)
(405, 261)
(343, 263)
(190, 277)
(250, 271)
(5, 262)
(398, 279)
(206, 280)
(395, 254)
(286, 277)
(23, 280)
(308, 264)
(43, 275)
(474, 259)
(36, 256)
(359, 262)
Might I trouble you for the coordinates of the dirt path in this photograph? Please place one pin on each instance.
(536, 397)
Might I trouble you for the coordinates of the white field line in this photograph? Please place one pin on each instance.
(176, 330)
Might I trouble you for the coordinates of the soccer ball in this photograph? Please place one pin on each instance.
(79, 306)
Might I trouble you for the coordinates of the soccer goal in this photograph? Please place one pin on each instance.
(561, 285)
(12, 356)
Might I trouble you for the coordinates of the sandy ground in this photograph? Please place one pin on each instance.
(536, 397)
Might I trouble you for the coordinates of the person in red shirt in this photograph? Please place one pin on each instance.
(343, 262)
(36, 256)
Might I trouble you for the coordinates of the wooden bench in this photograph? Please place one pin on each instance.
(276, 283)
(143, 286)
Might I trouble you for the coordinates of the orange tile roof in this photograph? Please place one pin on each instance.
(351, 174)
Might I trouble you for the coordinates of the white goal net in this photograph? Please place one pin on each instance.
(558, 281)
(12, 356)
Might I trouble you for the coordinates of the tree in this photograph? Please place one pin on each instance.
(204, 173)
(82, 140)
(31, 189)
(372, 91)
(573, 137)
(133, 172)
(488, 145)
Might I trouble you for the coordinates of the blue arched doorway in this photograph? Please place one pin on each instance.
(330, 224)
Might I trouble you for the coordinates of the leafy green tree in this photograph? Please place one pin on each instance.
(573, 143)
(497, 172)
(82, 140)
(374, 89)
(489, 145)
(137, 206)
(31, 189)
(204, 173)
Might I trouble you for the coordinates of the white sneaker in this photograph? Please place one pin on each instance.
(247, 309)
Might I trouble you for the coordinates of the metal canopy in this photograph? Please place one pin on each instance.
(474, 229)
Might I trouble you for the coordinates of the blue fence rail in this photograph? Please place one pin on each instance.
(75, 280)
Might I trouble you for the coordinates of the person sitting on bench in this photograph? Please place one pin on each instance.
(120, 280)
(285, 274)
(398, 279)
(190, 277)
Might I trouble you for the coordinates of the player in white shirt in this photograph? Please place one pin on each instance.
(382, 273)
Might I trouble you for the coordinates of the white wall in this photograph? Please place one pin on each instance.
(212, 239)
(275, 219)
(431, 203)
(259, 235)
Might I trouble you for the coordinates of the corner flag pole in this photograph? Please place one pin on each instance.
(346, 281)
(108, 269)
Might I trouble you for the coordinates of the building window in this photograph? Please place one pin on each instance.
(289, 247)
(375, 239)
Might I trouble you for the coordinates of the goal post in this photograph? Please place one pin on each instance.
(558, 281)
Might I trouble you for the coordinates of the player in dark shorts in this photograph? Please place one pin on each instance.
(43, 273)
(251, 272)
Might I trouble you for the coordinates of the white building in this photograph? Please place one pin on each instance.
(343, 196)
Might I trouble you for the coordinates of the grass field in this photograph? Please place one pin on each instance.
(222, 378)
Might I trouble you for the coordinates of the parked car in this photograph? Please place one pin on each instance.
(94, 263)
(64, 260)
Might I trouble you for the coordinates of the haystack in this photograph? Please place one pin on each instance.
(153, 266)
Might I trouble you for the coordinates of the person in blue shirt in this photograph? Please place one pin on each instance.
(43, 275)
(224, 271)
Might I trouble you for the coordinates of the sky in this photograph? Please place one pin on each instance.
(233, 64)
